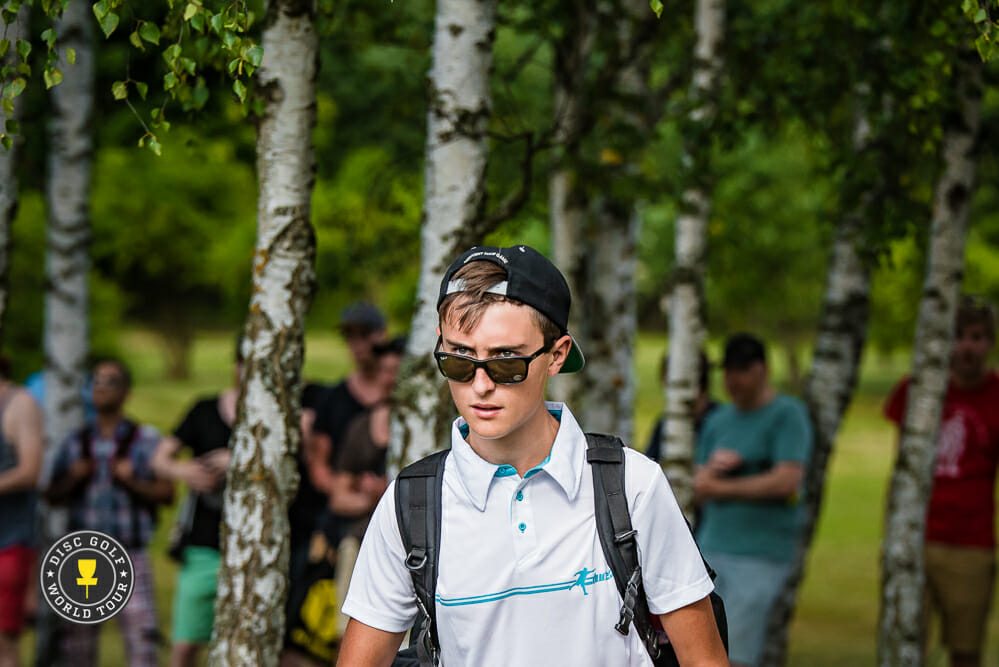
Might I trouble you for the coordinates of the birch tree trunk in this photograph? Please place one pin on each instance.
(686, 308)
(610, 311)
(262, 480)
(901, 636)
(828, 391)
(453, 204)
(567, 196)
(8, 175)
(67, 266)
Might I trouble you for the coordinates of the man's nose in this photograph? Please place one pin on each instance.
(481, 382)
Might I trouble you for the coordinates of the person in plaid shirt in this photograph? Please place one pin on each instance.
(103, 473)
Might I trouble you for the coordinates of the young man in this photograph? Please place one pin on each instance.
(518, 534)
(205, 431)
(960, 520)
(103, 472)
(751, 458)
(21, 445)
(363, 327)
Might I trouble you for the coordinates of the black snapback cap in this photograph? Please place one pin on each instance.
(531, 279)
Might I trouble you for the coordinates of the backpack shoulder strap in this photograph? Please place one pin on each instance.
(418, 512)
(605, 455)
(127, 435)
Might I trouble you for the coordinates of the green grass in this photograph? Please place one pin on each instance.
(836, 619)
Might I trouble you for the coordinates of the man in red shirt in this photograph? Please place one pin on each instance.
(960, 520)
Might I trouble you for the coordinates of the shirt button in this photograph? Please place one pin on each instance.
(520, 495)
(522, 527)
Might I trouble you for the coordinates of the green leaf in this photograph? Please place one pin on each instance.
(150, 32)
(7, 142)
(119, 89)
(239, 89)
(981, 15)
(136, 40)
(155, 147)
(109, 23)
(70, 56)
(188, 65)
(198, 22)
(233, 64)
(216, 23)
(170, 80)
(255, 54)
(190, 11)
(171, 53)
(23, 48)
(12, 126)
(17, 86)
(199, 97)
(143, 88)
(49, 37)
(228, 39)
(101, 9)
(657, 7)
(4, 47)
(53, 77)
(8, 106)
(8, 16)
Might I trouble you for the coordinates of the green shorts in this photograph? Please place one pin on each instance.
(194, 599)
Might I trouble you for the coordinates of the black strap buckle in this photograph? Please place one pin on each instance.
(625, 536)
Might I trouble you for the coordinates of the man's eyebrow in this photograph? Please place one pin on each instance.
(491, 351)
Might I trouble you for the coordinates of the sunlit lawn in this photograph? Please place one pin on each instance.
(836, 619)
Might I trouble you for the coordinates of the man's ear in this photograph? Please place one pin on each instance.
(560, 352)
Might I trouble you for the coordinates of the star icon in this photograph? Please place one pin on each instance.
(123, 573)
(50, 573)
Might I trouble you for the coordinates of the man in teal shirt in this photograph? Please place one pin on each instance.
(751, 459)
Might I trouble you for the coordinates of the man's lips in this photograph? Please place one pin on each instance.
(485, 410)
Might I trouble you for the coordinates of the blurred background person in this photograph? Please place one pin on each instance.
(960, 519)
(22, 443)
(205, 431)
(104, 473)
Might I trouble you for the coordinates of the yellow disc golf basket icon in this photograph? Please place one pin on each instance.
(87, 567)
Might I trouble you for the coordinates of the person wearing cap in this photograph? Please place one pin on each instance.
(518, 509)
(960, 519)
(363, 327)
(751, 457)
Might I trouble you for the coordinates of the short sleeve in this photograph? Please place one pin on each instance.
(673, 571)
(381, 593)
(793, 439)
(894, 407)
(187, 431)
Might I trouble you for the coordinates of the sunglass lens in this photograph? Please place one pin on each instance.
(507, 371)
(456, 368)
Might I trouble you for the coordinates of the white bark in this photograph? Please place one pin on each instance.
(828, 391)
(567, 197)
(67, 264)
(830, 385)
(901, 637)
(253, 581)
(8, 161)
(610, 311)
(454, 198)
(686, 301)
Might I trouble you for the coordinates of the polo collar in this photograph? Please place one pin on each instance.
(564, 463)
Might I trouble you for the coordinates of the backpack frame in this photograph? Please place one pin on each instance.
(418, 497)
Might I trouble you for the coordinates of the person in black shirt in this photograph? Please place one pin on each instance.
(205, 431)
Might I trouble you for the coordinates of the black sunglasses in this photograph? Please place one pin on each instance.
(501, 370)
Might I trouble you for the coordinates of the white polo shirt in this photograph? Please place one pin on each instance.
(523, 579)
